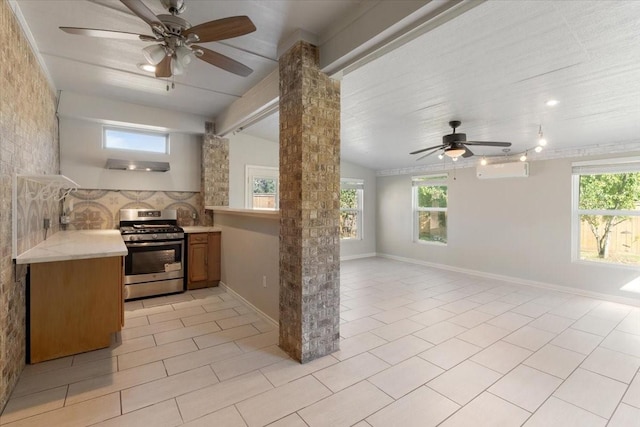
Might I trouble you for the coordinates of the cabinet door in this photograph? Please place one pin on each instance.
(214, 272)
(198, 262)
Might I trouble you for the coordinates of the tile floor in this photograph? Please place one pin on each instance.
(420, 347)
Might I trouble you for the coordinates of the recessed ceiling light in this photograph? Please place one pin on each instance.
(552, 103)
(147, 67)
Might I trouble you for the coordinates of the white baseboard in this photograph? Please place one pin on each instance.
(359, 256)
(519, 281)
(261, 313)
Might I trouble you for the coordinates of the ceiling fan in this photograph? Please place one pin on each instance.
(455, 144)
(175, 38)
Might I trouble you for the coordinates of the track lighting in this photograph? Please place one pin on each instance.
(483, 162)
(541, 140)
(523, 158)
(538, 149)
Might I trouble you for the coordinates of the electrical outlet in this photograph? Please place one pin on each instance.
(264, 281)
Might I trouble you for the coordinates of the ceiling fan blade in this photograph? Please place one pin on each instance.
(488, 143)
(427, 149)
(222, 29)
(428, 154)
(467, 152)
(221, 61)
(107, 34)
(163, 69)
(143, 12)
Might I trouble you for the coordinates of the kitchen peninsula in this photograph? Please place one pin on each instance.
(74, 293)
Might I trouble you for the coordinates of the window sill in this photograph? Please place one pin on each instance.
(423, 242)
(606, 264)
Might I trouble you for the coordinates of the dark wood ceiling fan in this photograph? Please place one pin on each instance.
(176, 38)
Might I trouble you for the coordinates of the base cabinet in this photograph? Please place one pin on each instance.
(74, 306)
(203, 268)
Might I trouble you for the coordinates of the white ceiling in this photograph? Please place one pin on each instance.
(493, 67)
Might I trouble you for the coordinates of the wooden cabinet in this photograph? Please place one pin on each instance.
(203, 265)
(74, 306)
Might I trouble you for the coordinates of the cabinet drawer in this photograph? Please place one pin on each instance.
(197, 238)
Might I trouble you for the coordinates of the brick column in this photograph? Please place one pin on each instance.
(309, 206)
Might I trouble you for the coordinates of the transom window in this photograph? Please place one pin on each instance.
(135, 140)
(430, 209)
(606, 211)
(351, 195)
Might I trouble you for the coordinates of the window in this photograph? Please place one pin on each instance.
(606, 211)
(136, 140)
(351, 193)
(430, 208)
(262, 187)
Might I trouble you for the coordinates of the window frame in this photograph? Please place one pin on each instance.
(264, 172)
(434, 180)
(358, 185)
(137, 131)
(597, 167)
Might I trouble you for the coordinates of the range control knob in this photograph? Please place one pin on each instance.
(154, 236)
(133, 238)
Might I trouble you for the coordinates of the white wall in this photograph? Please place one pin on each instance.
(83, 159)
(517, 227)
(366, 246)
(247, 150)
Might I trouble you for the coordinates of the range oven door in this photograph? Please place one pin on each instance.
(153, 261)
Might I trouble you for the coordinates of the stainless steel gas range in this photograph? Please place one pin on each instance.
(155, 263)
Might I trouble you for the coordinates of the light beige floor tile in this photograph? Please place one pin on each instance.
(401, 349)
(80, 415)
(358, 313)
(166, 388)
(483, 335)
(623, 342)
(207, 317)
(426, 304)
(501, 356)
(440, 332)
(510, 321)
(421, 408)
(186, 332)
(143, 331)
(406, 376)
(210, 399)
(137, 312)
(389, 303)
(632, 396)
(552, 323)
(397, 329)
(575, 308)
(625, 416)
(227, 417)
(618, 366)
(464, 382)
(198, 358)
(350, 371)
(288, 370)
(116, 381)
(526, 387)
(282, 401)
(459, 307)
(258, 341)
(202, 302)
(142, 357)
(292, 420)
(49, 365)
(221, 305)
(52, 379)
(168, 299)
(134, 322)
(433, 316)
(594, 325)
(116, 349)
(530, 338)
(264, 326)
(578, 341)
(395, 314)
(175, 314)
(495, 308)
(248, 362)
(353, 346)
(555, 360)
(33, 404)
(233, 322)
(592, 392)
(217, 338)
(555, 412)
(450, 353)
(516, 298)
(470, 319)
(243, 309)
(346, 407)
(164, 414)
(487, 410)
(359, 326)
(611, 311)
(484, 298)
(531, 309)
(631, 323)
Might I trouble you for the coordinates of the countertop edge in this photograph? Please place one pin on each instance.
(257, 213)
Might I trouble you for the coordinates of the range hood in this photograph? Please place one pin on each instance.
(137, 165)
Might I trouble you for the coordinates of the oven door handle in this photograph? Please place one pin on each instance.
(144, 244)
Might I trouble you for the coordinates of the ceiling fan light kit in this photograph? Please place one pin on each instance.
(174, 38)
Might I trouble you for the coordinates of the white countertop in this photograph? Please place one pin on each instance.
(76, 244)
(258, 213)
(200, 229)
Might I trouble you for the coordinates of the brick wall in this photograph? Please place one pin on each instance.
(28, 145)
(215, 169)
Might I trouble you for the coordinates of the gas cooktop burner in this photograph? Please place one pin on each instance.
(148, 225)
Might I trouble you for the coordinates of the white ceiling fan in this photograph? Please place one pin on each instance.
(175, 38)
